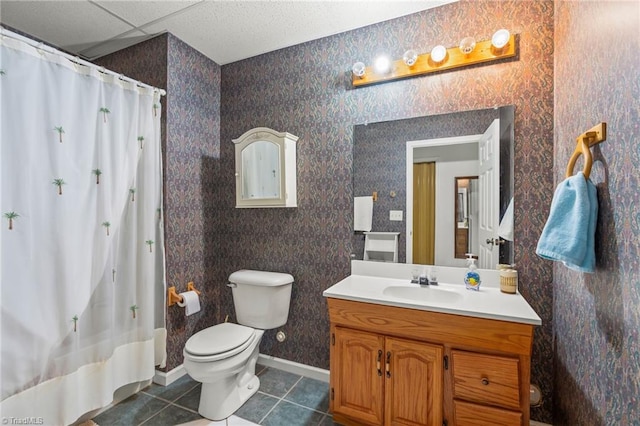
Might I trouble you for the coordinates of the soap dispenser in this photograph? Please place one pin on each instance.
(472, 277)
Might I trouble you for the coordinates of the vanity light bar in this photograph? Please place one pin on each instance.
(484, 51)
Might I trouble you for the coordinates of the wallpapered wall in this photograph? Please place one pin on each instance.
(305, 90)
(191, 148)
(595, 376)
(597, 317)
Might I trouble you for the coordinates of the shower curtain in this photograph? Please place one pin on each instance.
(82, 250)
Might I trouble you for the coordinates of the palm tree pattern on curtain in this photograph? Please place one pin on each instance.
(59, 182)
(11, 216)
(60, 131)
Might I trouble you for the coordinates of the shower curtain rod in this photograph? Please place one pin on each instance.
(75, 59)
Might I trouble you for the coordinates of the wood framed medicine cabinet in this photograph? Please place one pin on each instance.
(265, 169)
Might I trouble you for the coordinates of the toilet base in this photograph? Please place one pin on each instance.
(225, 405)
(226, 383)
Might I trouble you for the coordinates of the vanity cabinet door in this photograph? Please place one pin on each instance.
(357, 375)
(414, 383)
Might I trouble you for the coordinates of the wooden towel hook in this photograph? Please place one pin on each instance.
(584, 142)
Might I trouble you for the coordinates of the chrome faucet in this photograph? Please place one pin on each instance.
(425, 276)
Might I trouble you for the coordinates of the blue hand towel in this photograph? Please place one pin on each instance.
(569, 234)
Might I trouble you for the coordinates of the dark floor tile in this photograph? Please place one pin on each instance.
(191, 399)
(277, 382)
(286, 413)
(174, 391)
(311, 393)
(172, 415)
(328, 421)
(256, 407)
(260, 368)
(132, 411)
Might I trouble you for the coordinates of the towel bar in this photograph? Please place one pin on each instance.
(584, 142)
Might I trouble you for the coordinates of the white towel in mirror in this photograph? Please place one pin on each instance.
(505, 230)
(362, 213)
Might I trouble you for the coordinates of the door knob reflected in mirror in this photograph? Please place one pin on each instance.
(494, 241)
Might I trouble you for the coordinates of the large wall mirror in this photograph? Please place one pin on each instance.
(451, 175)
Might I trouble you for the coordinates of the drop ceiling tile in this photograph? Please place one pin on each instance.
(224, 30)
(196, 26)
(70, 25)
(114, 44)
(142, 12)
(228, 31)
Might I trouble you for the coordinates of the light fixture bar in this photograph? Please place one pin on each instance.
(483, 52)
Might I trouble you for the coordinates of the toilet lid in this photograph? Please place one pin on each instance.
(218, 339)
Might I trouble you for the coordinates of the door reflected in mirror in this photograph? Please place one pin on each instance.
(465, 233)
(456, 231)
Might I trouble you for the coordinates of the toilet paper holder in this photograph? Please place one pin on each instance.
(173, 297)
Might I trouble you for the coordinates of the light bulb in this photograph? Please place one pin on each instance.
(382, 65)
(500, 38)
(438, 54)
(467, 45)
(358, 69)
(410, 57)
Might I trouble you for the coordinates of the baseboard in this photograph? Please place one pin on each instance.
(165, 379)
(534, 423)
(294, 367)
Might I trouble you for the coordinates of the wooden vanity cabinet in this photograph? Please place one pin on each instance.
(385, 380)
(399, 366)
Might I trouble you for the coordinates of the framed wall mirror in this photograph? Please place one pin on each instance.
(265, 169)
(386, 158)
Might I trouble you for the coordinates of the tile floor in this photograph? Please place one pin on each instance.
(284, 399)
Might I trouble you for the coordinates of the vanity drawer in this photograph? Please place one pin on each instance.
(487, 379)
(468, 414)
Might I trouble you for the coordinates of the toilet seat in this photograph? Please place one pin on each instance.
(219, 342)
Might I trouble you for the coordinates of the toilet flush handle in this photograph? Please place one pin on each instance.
(232, 285)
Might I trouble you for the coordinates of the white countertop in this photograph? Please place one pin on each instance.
(489, 302)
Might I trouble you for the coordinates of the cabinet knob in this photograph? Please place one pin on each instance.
(485, 381)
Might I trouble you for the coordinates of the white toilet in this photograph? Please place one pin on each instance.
(223, 357)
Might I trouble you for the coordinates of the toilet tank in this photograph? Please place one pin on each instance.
(261, 298)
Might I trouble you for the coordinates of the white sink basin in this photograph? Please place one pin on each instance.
(394, 289)
(422, 294)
